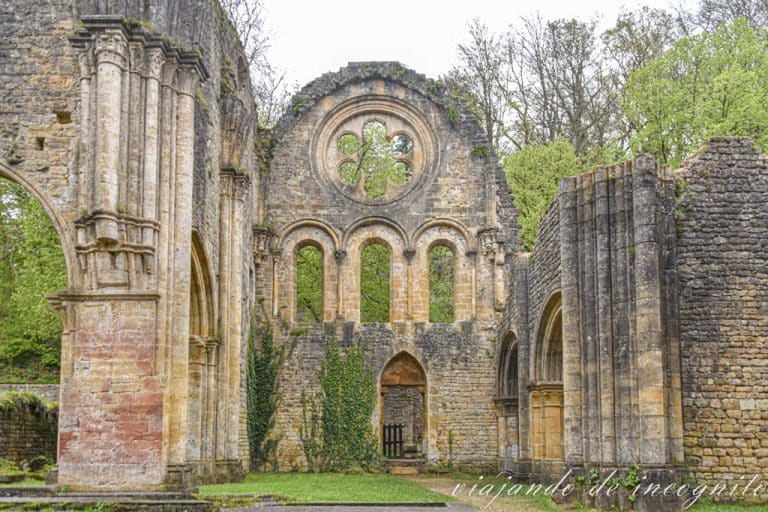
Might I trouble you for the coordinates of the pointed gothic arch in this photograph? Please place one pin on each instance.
(403, 389)
(546, 391)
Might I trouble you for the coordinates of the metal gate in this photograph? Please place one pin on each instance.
(393, 441)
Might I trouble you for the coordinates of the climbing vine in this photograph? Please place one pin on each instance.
(336, 430)
(263, 367)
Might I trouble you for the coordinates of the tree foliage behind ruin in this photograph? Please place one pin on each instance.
(31, 266)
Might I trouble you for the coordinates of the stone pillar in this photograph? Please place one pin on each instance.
(572, 367)
(472, 257)
(234, 193)
(211, 398)
(125, 373)
(409, 254)
(648, 349)
(181, 251)
(152, 148)
(340, 256)
(111, 54)
(604, 311)
(523, 353)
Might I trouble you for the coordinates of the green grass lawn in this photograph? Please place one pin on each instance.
(27, 482)
(706, 505)
(329, 488)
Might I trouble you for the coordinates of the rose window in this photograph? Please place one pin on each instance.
(374, 150)
(375, 161)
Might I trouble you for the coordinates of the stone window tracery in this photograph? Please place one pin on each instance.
(374, 150)
(374, 160)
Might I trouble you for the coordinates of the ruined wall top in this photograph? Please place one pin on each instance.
(444, 166)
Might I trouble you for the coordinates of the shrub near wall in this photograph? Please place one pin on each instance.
(28, 427)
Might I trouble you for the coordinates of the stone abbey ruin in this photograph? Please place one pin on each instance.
(634, 334)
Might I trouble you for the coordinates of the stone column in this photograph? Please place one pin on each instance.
(569, 279)
(523, 354)
(211, 397)
(472, 256)
(111, 55)
(234, 194)
(604, 311)
(181, 254)
(151, 159)
(409, 254)
(85, 179)
(234, 328)
(649, 355)
(499, 278)
(341, 256)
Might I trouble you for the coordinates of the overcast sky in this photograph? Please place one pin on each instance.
(309, 38)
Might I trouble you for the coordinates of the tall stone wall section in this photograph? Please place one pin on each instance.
(606, 250)
(722, 224)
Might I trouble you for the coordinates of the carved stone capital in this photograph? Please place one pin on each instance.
(136, 56)
(488, 241)
(111, 47)
(186, 81)
(340, 256)
(154, 63)
(85, 62)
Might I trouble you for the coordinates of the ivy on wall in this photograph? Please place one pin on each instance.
(263, 366)
(336, 430)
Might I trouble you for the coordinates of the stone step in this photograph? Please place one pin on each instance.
(408, 466)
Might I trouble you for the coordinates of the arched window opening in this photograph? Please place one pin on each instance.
(309, 285)
(374, 284)
(32, 265)
(507, 376)
(547, 392)
(552, 365)
(442, 269)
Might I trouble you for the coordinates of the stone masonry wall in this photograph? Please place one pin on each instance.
(460, 380)
(723, 269)
(26, 432)
(130, 121)
(48, 391)
(403, 405)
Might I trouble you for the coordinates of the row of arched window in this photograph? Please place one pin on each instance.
(375, 270)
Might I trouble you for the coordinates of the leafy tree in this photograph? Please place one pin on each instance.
(309, 285)
(374, 284)
(539, 81)
(533, 174)
(442, 270)
(476, 81)
(636, 39)
(270, 87)
(705, 85)
(712, 14)
(31, 265)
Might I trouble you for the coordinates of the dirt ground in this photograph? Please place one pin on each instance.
(502, 503)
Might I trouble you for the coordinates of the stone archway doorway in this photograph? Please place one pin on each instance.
(403, 425)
